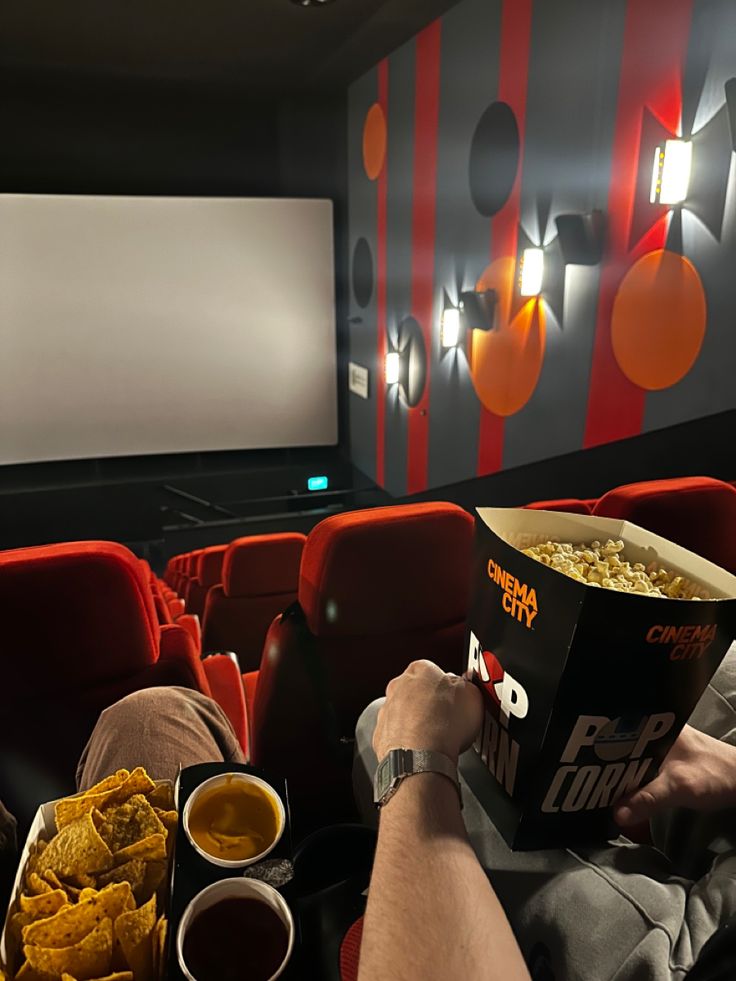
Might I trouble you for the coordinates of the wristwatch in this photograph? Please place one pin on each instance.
(398, 764)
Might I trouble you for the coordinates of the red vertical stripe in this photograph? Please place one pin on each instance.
(516, 28)
(381, 282)
(654, 50)
(426, 122)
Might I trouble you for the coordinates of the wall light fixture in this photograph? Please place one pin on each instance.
(531, 272)
(392, 368)
(671, 172)
(450, 327)
(731, 108)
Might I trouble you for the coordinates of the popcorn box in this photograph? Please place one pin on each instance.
(584, 688)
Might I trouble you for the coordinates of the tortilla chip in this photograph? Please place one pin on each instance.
(117, 976)
(155, 875)
(69, 926)
(138, 782)
(53, 879)
(26, 973)
(44, 905)
(77, 849)
(162, 797)
(34, 854)
(159, 946)
(133, 872)
(130, 822)
(71, 808)
(81, 880)
(152, 849)
(134, 933)
(36, 885)
(89, 958)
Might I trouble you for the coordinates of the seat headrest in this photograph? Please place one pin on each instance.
(572, 505)
(191, 566)
(209, 565)
(387, 570)
(698, 513)
(262, 565)
(79, 614)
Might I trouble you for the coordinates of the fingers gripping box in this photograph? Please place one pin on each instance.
(585, 688)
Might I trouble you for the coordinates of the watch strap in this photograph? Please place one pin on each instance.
(398, 764)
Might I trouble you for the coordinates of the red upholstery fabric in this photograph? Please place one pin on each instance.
(227, 689)
(190, 623)
(240, 623)
(387, 570)
(570, 504)
(209, 573)
(698, 513)
(192, 560)
(162, 609)
(177, 607)
(350, 952)
(80, 631)
(259, 581)
(250, 681)
(176, 644)
(262, 565)
(378, 589)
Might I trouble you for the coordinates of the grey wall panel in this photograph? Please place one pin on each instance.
(710, 385)
(468, 84)
(363, 209)
(401, 81)
(571, 112)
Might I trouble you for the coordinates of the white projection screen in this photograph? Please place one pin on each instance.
(135, 325)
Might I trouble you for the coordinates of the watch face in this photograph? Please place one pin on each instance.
(382, 780)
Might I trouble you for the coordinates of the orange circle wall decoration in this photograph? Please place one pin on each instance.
(505, 363)
(374, 141)
(658, 320)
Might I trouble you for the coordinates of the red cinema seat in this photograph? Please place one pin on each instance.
(698, 513)
(259, 580)
(177, 607)
(377, 590)
(97, 640)
(570, 504)
(209, 574)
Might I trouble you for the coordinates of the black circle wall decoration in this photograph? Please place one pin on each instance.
(413, 371)
(494, 158)
(362, 273)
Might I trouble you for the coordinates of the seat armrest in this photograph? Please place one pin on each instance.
(176, 644)
(226, 685)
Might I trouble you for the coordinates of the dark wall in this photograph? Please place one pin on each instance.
(114, 136)
(638, 342)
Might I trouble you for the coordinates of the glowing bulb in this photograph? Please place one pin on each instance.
(532, 271)
(450, 331)
(671, 172)
(391, 368)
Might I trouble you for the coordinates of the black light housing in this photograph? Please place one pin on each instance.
(478, 309)
(581, 237)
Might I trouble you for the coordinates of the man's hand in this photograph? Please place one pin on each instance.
(426, 708)
(699, 772)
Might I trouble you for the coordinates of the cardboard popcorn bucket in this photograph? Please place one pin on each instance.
(585, 688)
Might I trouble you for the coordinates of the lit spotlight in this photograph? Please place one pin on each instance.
(671, 172)
(531, 272)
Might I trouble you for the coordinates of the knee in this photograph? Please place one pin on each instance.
(145, 703)
(367, 721)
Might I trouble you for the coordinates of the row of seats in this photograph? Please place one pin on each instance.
(375, 589)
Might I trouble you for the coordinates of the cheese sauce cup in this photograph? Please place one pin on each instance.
(234, 819)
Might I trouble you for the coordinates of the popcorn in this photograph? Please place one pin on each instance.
(606, 566)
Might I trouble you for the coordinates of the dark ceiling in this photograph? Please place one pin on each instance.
(264, 47)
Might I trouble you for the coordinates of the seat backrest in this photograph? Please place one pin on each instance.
(209, 573)
(260, 574)
(377, 590)
(572, 505)
(80, 631)
(698, 513)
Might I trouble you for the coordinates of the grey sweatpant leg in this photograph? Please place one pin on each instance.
(159, 729)
(621, 912)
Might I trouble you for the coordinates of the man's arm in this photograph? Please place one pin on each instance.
(431, 911)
